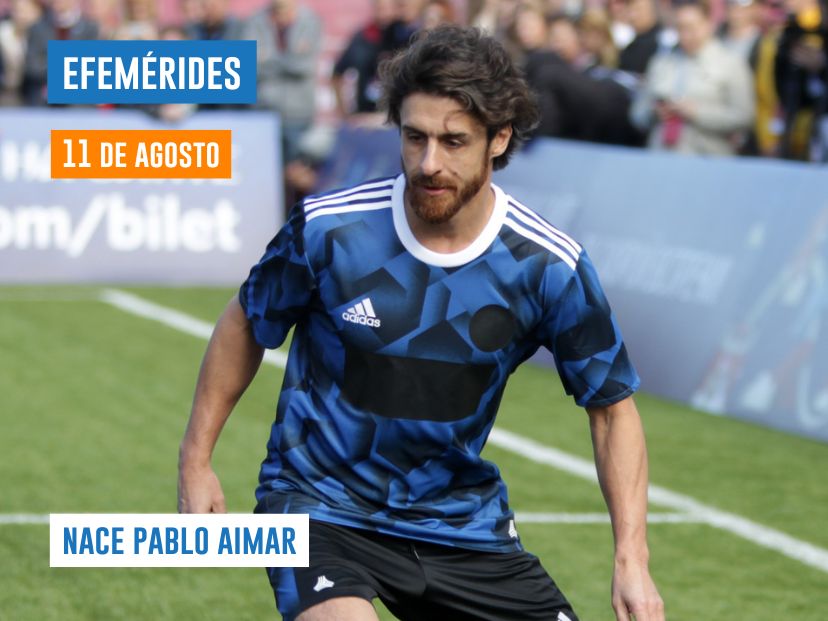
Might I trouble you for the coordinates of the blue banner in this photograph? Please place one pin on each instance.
(151, 72)
(717, 268)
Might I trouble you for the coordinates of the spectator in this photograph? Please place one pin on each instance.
(62, 20)
(622, 32)
(362, 56)
(644, 19)
(531, 29)
(497, 17)
(408, 22)
(564, 41)
(437, 12)
(595, 35)
(192, 10)
(699, 97)
(143, 12)
(802, 77)
(174, 112)
(216, 23)
(14, 32)
(107, 15)
(556, 84)
(769, 126)
(573, 104)
(740, 32)
(289, 38)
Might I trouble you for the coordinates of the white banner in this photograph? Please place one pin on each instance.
(175, 540)
(159, 231)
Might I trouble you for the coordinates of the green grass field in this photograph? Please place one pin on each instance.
(94, 400)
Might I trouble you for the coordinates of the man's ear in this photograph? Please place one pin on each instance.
(500, 141)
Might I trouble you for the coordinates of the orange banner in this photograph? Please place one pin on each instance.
(141, 154)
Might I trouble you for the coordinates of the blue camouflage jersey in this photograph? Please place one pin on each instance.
(400, 356)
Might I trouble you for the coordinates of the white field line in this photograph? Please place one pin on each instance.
(764, 536)
(528, 517)
(796, 549)
(23, 518)
(173, 319)
(522, 517)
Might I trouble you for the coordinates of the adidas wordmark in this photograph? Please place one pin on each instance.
(362, 314)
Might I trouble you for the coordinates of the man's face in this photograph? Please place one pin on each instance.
(385, 12)
(215, 11)
(741, 13)
(693, 28)
(530, 28)
(409, 10)
(641, 14)
(563, 40)
(284, 11)
(446, 156)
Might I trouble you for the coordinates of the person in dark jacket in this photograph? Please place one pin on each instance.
(644, 19)
(801, 74)
(362, 56)
(574, 103)
(62, 20)
(216, 23)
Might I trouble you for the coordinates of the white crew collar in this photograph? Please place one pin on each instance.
(446, 259)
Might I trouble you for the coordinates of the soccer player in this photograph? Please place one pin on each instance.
(412, 300)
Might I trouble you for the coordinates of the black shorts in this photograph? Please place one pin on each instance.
(418, 581)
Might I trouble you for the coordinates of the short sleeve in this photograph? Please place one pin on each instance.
(278, 289)
(582, 333)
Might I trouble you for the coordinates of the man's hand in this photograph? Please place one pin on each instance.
(634, 595)
(665, 110)
(621, 460)
(231, 361)
(199, 490)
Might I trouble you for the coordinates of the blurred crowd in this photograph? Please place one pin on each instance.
(737, 77)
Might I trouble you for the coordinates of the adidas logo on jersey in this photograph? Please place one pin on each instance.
(362, 314)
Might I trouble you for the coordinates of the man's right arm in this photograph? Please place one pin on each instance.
(233, 356)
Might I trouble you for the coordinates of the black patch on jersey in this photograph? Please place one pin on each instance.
(594, 334)
(413, 388)
(492, 327)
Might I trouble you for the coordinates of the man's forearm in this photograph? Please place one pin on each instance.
(228, 367)
(621, 460)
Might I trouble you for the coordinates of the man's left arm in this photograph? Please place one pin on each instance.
(621, 461)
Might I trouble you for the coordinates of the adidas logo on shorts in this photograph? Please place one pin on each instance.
(362, 314)
(323, 583)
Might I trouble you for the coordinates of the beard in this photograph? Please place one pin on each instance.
(442, 208)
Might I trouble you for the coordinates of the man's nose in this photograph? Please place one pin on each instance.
(430, 164)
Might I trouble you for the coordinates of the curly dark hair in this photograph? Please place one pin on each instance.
(469, 67)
